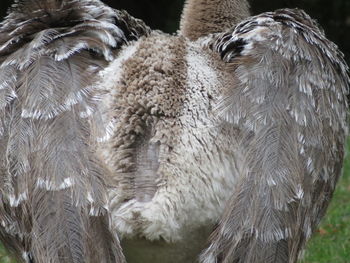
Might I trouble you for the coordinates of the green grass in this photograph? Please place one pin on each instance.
(4, 258)
(331, 243)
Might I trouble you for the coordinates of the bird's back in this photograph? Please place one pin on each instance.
(169, 155)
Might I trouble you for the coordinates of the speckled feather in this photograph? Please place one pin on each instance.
(290, 103)
(53, 190)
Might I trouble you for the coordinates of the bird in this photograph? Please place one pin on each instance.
(119, 143)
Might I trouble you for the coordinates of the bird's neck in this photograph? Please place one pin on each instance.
(202, 17)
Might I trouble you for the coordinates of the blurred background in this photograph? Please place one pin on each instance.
(331, 243)
(332, 15)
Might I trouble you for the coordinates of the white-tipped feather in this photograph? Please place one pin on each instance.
(293, 136)
(54, 185)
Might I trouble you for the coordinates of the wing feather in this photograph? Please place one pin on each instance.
(54, 187)
(290, 104)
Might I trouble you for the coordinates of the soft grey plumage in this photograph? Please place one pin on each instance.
(112, 131)
(54, 196)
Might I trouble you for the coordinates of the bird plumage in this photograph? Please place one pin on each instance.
(54, 190)
(293, 120)
(111, 131)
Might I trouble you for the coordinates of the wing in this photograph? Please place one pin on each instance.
(53, 186)
(289, 102)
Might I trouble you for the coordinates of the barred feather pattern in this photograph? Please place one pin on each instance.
(290, 103)
(53, 186)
